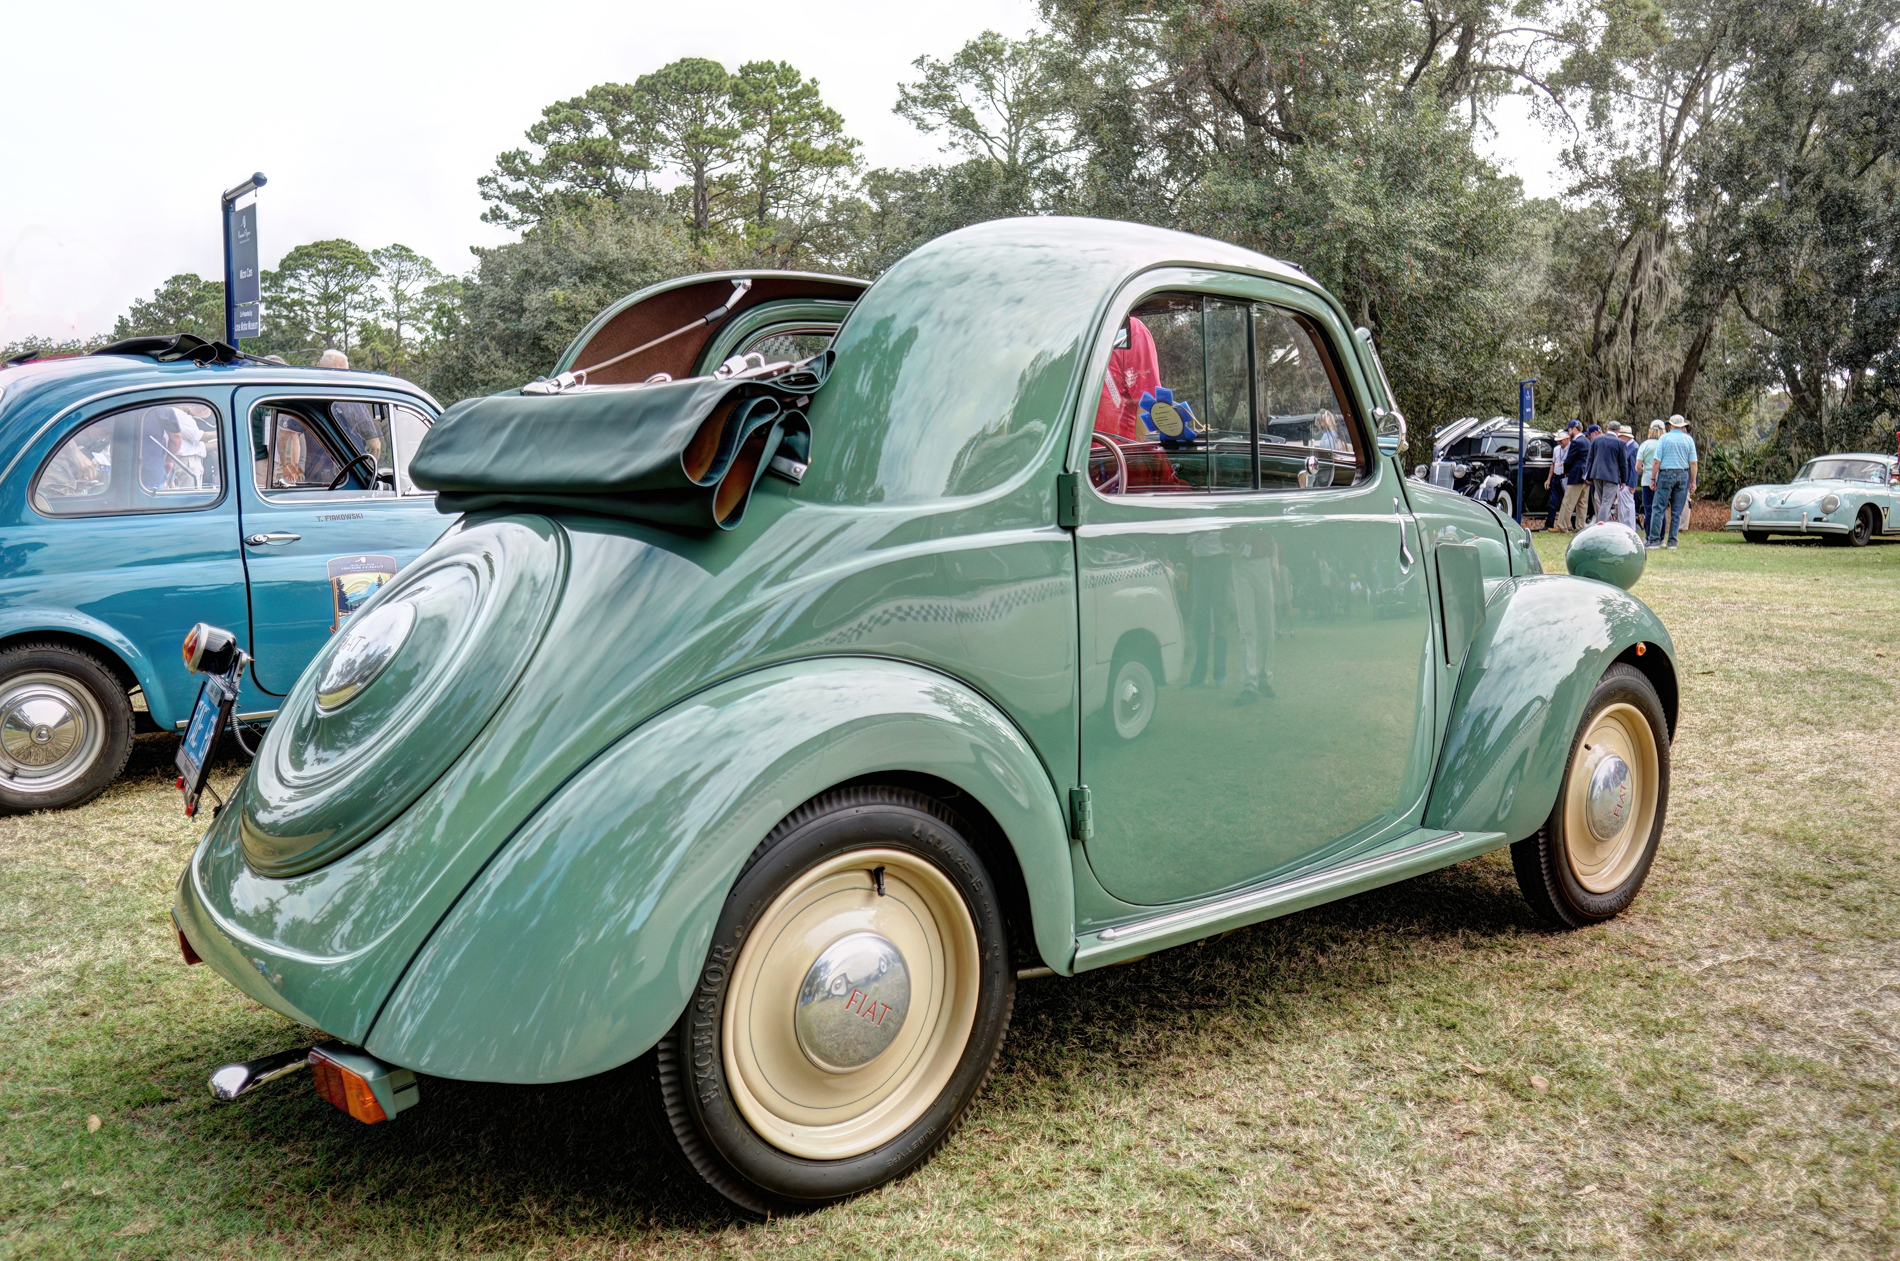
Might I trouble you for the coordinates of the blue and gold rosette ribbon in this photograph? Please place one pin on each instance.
(1170, 419)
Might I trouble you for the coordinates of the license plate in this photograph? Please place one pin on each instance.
(208, 718)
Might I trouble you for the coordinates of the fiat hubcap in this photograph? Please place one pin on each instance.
(850, 1004)
(1608, 806)
(51, 730)
(366, 649)
(853, 1003)
(1610, 800)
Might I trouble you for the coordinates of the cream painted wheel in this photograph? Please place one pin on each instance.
(837, 1033)
(800, 1101)
(1610, 798)
(1593, 853)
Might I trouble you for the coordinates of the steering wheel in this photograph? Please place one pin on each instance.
(1118, 483)
(343, 473)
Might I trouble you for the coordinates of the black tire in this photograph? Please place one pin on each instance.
(1863, 529)
(1754, 536)
(65, 727)
(697, 1112)
(1505, 505)
(1546, 865)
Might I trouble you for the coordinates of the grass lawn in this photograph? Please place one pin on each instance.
(1417, 1072)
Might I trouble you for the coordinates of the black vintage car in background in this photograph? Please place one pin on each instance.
(1479, 458)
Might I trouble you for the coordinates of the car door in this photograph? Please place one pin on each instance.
(1298, 721)
(320, 531)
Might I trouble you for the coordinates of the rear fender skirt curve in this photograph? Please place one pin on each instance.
(1529, 673)
(582, 940)
(25, 624)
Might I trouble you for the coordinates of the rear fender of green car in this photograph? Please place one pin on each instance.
(581, 942)
(1543, 644)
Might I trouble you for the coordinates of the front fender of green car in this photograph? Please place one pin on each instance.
(1544, 643)
(579, 945)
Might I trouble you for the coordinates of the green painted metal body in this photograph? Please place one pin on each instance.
(538, 908)
(1609, 553)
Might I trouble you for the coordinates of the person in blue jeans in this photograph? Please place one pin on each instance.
(1675, 481)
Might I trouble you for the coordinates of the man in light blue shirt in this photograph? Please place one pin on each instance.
(1675, 468)
(1646, 464)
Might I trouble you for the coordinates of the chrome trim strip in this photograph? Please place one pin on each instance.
(1273, 892)
(253, 716)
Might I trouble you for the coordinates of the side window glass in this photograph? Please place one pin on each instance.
(291, 453)
(1305, 440)
(410, 428)
(179, 465)
(77, 481)
(158, 457)
(1173, 416)
(367, 427)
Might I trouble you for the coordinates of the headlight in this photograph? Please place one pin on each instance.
(1829, 503)
(1461, 470)
(1742, 501)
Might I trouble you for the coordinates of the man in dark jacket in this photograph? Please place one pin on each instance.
(1610, 464)
(1574, 513)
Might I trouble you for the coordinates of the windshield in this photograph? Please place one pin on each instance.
(1835, 470)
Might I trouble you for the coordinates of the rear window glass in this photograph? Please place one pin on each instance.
(157, 457)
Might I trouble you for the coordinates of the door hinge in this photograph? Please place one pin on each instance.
(1068, 500)
(1081, 814)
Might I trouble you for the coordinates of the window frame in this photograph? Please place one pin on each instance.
(133, 486)
(1253, 293)
(333, 435)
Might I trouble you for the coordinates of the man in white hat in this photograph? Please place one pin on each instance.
(1675, 481)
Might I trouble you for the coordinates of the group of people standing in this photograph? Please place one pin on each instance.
(1606, 475)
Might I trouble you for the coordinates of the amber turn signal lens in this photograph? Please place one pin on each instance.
(347, 1090)
(1641, 649)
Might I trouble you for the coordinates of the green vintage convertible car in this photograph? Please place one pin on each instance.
(765, 720)
(1846, 499)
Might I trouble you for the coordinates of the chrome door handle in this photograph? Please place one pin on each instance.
(1405, 551)
(269, 540)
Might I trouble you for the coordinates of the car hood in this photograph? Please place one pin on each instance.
(1796, 494)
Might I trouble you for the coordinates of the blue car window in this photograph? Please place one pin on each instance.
(77, 481)
(178, 456)
(294, 455)
(156, 457)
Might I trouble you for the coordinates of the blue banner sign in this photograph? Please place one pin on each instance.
(244, 253)
(247, 323)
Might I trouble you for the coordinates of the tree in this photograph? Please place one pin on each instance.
(185, 303)
(527, 300)
(595, 145)
(318, 295)
(793, 155)
(689, 121)
(409, 291)
(999, 101)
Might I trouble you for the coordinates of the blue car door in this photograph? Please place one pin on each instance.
(130, 524)
(328, 513)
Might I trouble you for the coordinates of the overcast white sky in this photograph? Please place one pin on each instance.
(372, 120)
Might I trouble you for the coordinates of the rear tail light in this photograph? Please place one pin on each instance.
(346, 1089)
(360, 1084)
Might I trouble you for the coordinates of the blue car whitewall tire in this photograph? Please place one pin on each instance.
(853, 1002)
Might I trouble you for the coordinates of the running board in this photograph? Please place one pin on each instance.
(1413, 854)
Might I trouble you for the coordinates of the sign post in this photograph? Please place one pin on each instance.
(239, 207)
(1526, 413)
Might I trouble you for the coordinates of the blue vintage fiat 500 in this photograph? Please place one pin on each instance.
(165, 481)
(148, 484)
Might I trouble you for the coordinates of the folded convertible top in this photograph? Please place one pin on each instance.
(676, 453)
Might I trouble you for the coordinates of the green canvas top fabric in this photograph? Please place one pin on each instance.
(680, 453)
